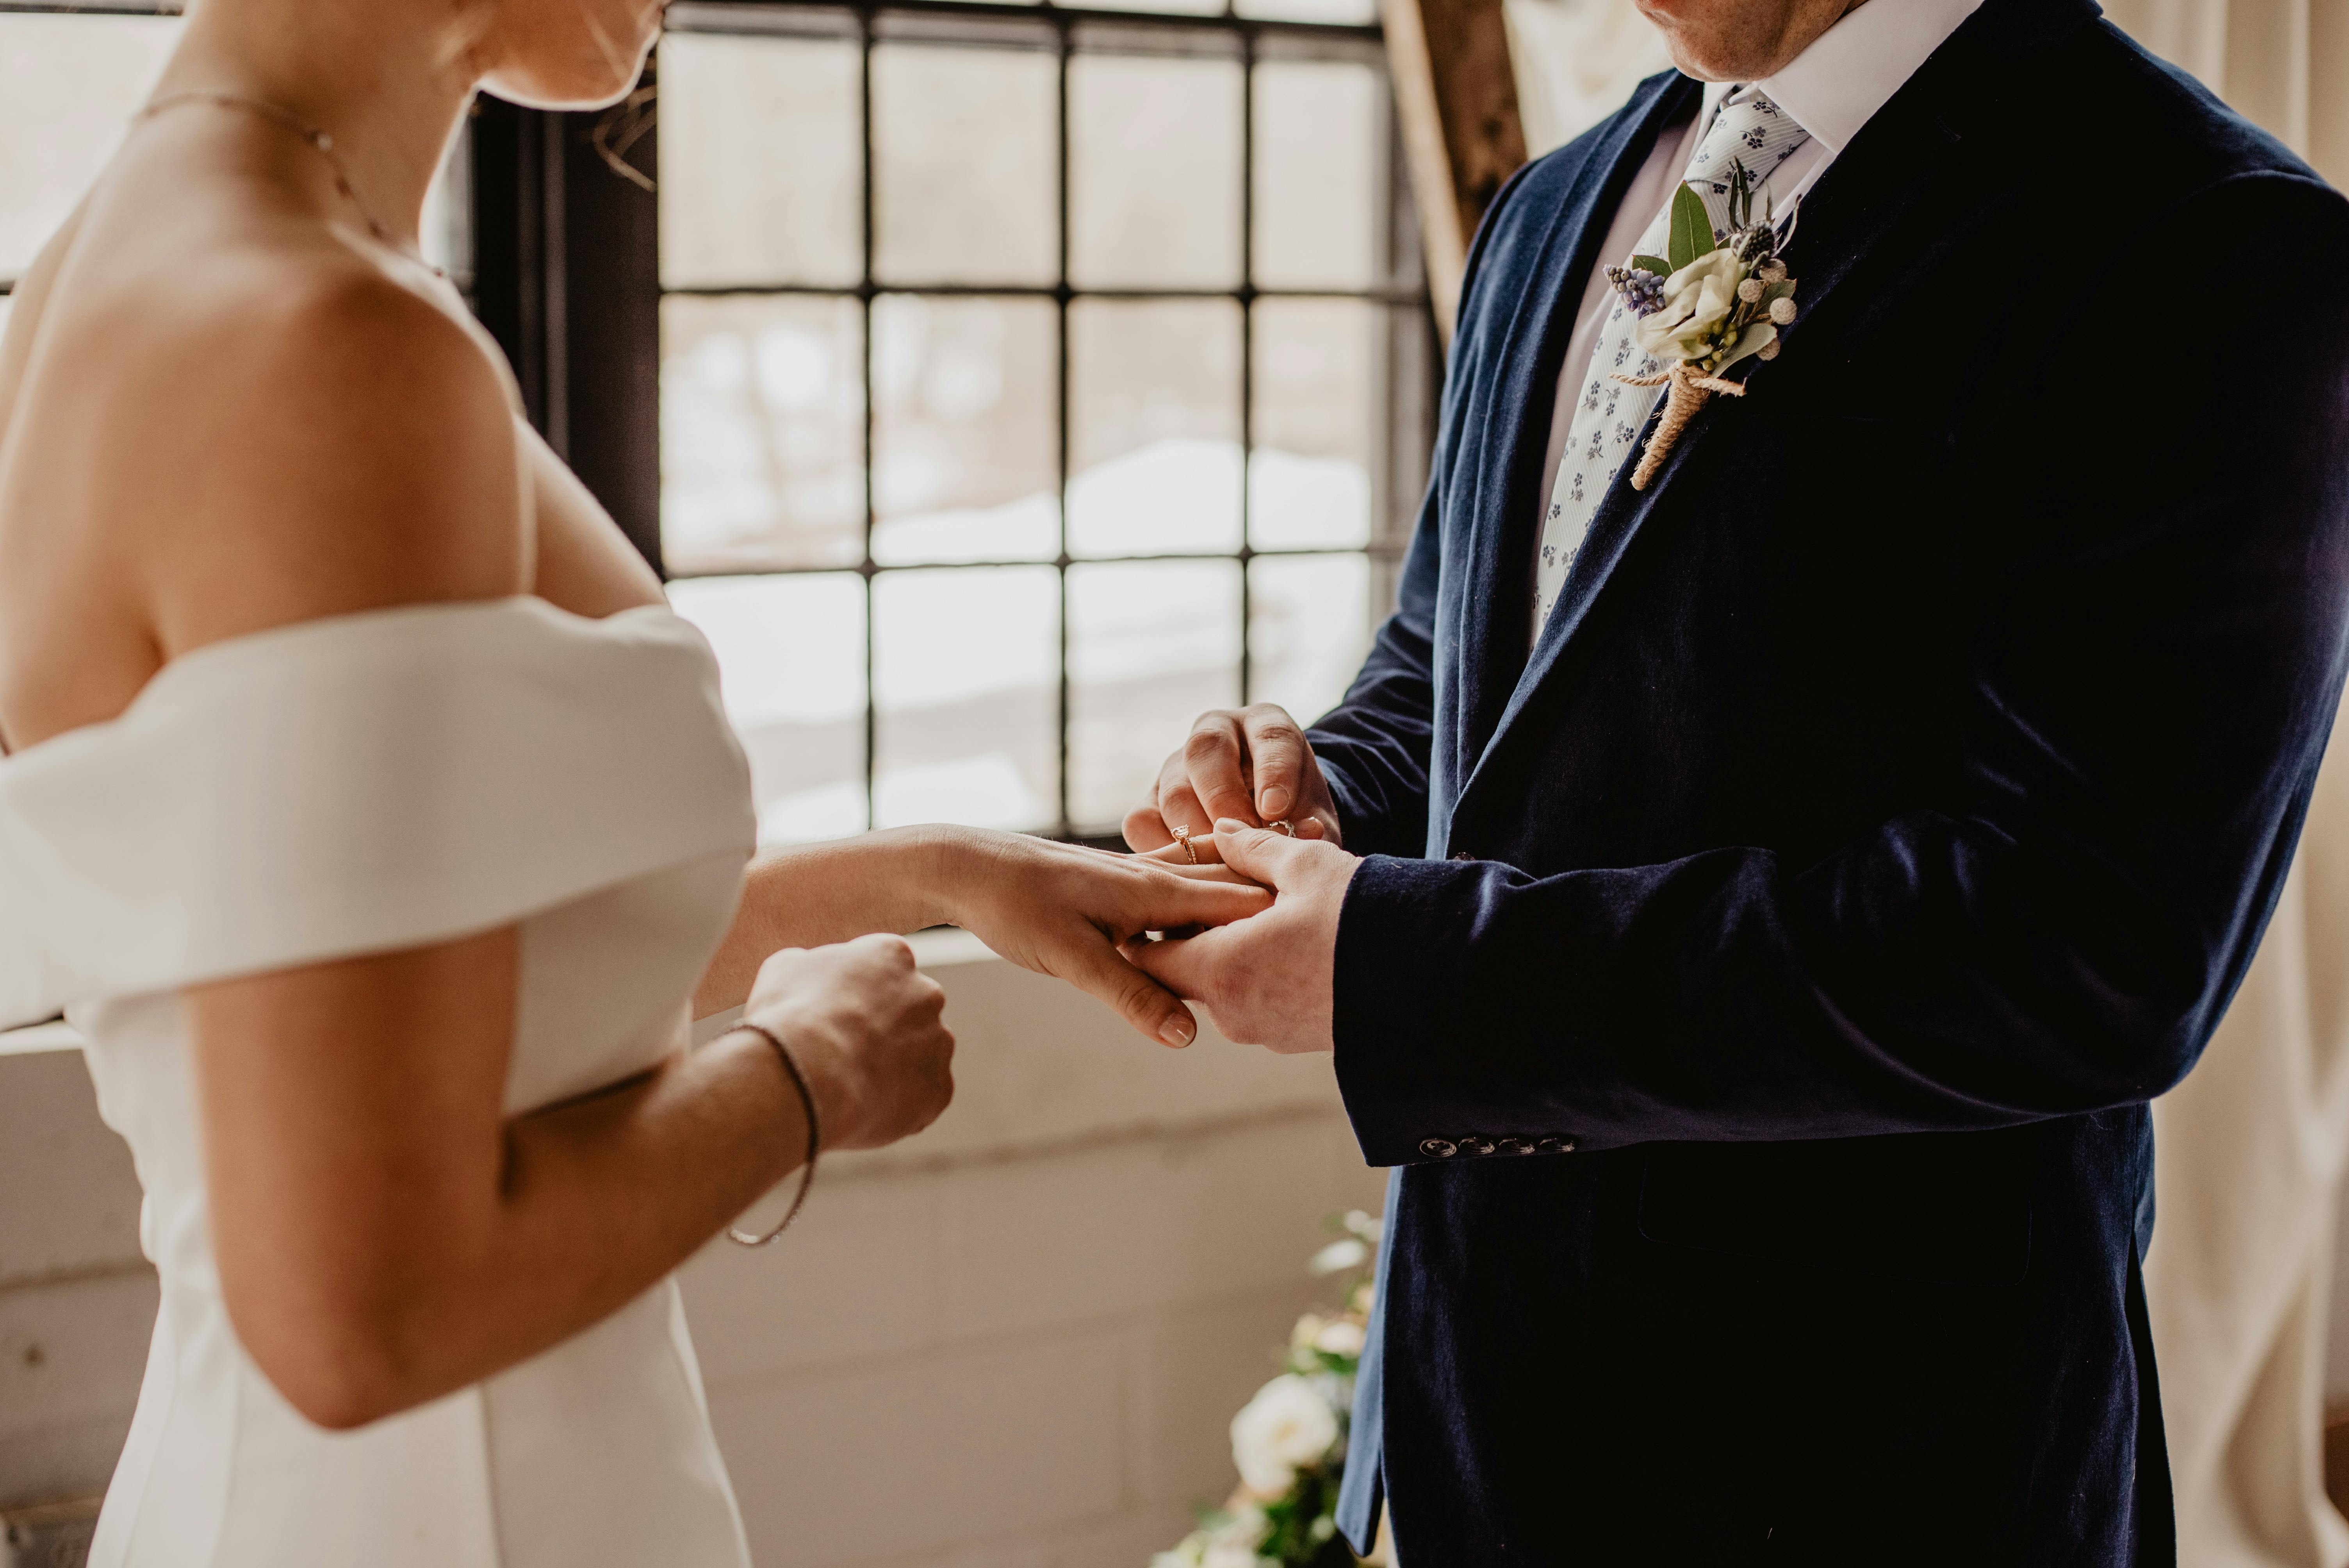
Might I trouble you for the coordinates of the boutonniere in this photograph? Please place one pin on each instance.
(1718, 298)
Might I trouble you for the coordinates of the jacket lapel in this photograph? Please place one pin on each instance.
(1905, 152)
(1497, 605)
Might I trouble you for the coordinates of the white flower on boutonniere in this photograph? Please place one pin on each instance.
(1714, 301)
(1287, 1425)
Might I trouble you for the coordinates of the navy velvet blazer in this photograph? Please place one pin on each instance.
(1887, 811)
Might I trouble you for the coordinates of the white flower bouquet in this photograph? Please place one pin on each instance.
(1289, 1443)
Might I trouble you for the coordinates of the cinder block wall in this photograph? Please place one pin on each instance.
(1017, 1339)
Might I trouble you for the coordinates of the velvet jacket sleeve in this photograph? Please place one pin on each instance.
(2152, 682)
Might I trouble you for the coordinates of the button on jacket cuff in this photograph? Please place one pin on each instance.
(1414, 1085)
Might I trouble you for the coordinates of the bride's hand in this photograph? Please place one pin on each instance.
(864, 1026)
(1062, 910)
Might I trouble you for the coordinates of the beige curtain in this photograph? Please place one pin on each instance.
(1577, 61)
(2282, 63)
(2251, 1150)
(2249, 1156)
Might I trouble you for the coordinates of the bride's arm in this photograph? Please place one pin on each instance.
(326, 443)
(1058, 909)
(385, 1233)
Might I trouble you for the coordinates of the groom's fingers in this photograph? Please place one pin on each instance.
(1278, 756)
(1258, 853)
(1216, 759)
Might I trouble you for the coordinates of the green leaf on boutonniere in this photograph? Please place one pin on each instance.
(1691, 227)
(1656, 265)
(1753, 340)
(1782, 289)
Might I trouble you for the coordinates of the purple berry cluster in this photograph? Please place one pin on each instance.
(1642, 291)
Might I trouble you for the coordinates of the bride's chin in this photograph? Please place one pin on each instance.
(569, 92)
(588, 70)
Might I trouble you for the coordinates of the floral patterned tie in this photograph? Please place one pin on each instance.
(1748, 130)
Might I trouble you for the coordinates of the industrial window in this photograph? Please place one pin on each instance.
(1030, 379)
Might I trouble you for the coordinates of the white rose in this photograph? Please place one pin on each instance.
(1697, 299)
(1345, 1253)
(1226, 1555)
(1340, 1337)
(1288, 1424)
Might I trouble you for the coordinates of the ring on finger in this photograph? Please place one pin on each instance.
(1183, 836)
(1282, 826)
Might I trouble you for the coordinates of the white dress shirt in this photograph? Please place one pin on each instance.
(1831, 89)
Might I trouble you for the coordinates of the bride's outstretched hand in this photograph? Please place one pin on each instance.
(1064, 910)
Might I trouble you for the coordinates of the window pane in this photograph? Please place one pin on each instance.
(1318, 379)
(967, 682)
(760, 154)
(68, 87)
(763, 433)
(1319, 161)
(1309, 629)
(1154, 172)
(791, 654)
(1151, 644)
(966, 437)
(1178, 7)
(965, 153)
(1154, 426)
(1338, 13)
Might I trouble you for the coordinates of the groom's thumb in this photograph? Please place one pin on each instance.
(1255, 852)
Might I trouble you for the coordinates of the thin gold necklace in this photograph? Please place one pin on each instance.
(319, 139)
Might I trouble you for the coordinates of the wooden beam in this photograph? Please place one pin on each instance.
(1457, 96)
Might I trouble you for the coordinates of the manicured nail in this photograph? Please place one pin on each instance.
(1275, 804)
(1230, 825)
(1177, 1030)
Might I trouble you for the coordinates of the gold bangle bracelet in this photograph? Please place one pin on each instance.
(814, 1130)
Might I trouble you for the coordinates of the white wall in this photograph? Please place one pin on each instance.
(1017, 1339)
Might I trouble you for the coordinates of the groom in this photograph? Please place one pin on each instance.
(1783, 885)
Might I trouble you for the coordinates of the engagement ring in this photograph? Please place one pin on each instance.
(1282, 827)
(1183, 836)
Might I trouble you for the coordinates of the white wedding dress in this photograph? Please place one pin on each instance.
(362, 784)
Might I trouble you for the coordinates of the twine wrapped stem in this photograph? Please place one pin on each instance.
(1690, 390)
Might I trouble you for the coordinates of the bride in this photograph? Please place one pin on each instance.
(381, 831)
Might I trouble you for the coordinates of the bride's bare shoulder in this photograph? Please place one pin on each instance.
(289, 432)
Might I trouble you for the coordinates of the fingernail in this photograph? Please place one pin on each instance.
(1275, 804)
(1177, 1030)
(1230, 825)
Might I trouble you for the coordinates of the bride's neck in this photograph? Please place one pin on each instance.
(386, 78)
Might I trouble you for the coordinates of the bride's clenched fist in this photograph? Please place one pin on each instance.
(867, 1029)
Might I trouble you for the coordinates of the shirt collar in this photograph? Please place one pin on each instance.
(1835, 86)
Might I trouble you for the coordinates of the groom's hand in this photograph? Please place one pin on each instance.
(1250, 765)
(1268, 979)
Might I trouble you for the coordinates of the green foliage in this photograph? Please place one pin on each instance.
(1303, 1526)
(1692, 234)
(1656, 265)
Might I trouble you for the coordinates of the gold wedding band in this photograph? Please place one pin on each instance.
(1282, 827)
(1183, 836)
